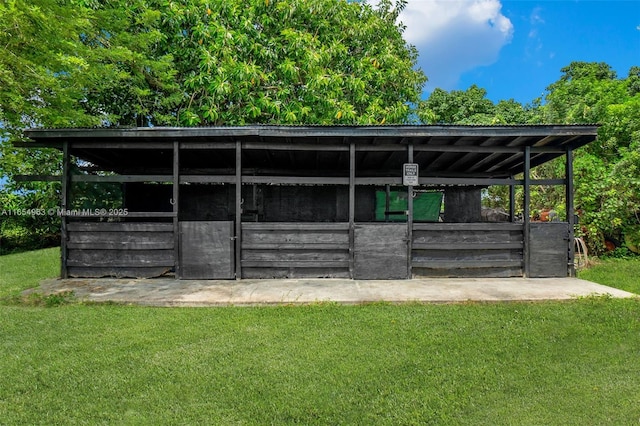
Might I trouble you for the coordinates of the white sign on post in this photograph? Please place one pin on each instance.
(410, 174)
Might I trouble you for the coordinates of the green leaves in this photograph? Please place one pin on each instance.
(317, 61)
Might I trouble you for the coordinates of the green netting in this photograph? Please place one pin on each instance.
(426, 206)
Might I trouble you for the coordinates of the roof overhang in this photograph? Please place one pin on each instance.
(448, 150)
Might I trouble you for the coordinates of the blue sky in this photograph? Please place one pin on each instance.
(516, 48)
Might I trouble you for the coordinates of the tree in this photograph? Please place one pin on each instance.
(77, 63)
(607, 176)
(313, 61)
(472, 107)
(607, 172)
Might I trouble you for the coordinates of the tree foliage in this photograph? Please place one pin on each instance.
(607, 172)
(83, 63)
(471, 106)
(312, 61)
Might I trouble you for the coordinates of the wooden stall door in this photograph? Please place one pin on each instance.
(206, 250)
(549, 249)
(380, 251)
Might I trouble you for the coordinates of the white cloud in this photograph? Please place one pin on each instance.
(454, 36)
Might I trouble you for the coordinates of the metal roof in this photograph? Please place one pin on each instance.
(440, 150)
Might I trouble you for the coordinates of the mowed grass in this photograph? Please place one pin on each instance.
(502, 363)
(619, 273)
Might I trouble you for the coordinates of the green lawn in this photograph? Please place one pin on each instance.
(501, 363)
(619, 273)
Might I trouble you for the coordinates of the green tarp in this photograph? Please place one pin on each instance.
(426, 206)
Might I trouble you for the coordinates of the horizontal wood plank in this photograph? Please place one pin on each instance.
(295, 255)
(295, 264)
(468, 273)
(120, 226)
(120, 258)
(121, 240)
(297, 226)
(295, 246)
(129, 272)
(280, 273)
(467, 264)
(467, 246)
(479, 226)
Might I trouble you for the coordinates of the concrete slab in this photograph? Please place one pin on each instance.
(171, 292)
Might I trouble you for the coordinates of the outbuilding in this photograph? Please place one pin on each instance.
(361, 202)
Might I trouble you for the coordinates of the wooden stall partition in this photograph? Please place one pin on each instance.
(549, 249)
(295, 250)
(206, 250)
(120, 249)
(380, 251)
(467, 249)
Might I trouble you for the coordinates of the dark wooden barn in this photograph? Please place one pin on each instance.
(362, 202)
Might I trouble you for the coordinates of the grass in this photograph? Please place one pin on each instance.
(503, 363)
(25, 270)
(619, 273)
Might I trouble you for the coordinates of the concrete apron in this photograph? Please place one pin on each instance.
(171, 292)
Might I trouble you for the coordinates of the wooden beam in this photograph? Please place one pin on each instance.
(512, 202)
(122, 178)
(352, 207)
(133, 144)
(466, 227)
(293, 146)
(570, 210)
(175, 196)
(64, 205)
(207, 179)
(526, 213)
(299, 180)
(409, 214)
(238, 236)
(207, 145)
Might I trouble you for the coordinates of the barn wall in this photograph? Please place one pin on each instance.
(119, 249)
(467, 250)
(275, 203)
(549, 249)
(295, 250)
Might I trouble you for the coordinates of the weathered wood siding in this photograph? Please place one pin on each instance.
(295, 250)
(380, 251)
(138, 250)
(549, 249)
(206, 250)
(467, 249)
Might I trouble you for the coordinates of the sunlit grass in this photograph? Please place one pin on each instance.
(570, 362)
(619, 273)
(25, 270)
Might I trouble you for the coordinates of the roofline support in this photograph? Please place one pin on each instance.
(352, 207)
(526, 212)
(409, 215)
(176, 206)
(238, 236)
(570, 210)
(64, 204)
(512, 201)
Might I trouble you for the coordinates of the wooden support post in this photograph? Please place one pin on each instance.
(570, 211)
(238, 236)
(409, 215)
(512, 202)
(175, 204)
(352, 207)
(525, 211)
(64, 206)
